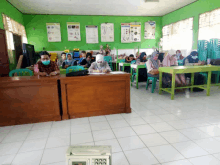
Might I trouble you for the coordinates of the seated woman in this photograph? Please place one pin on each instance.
(46, 66)
(63, 58)
(69, 62)
(153, 65)
(179, 55)
(171, 60)
(100, 65)
(86, 63)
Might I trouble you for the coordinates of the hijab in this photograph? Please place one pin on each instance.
(192, 58)
(178, 54)
(142, 57)
(169, 60)
(69, 62)
(100, 60)
(154, 62)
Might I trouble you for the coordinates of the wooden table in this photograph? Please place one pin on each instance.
(95, 95)
(186, 69)
(137, 67)
(28, 100)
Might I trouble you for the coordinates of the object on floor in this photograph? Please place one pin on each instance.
(89, 155)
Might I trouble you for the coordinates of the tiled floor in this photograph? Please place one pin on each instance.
(159, 131)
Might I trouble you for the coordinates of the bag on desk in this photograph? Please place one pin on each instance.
(215, 61)
(77, 73)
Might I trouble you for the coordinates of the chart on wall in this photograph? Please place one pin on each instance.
(53, 32)
(92, 34)
(149, 31)
(107, 32)
(73, 29)
(136, 32)
(125, 33)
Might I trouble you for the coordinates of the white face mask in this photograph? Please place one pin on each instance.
(99, 60)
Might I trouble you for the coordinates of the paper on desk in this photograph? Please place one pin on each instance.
(117, 72)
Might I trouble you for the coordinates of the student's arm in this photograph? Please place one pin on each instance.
(107, 69)
(187, 63)
(57, 70)
(91, 68)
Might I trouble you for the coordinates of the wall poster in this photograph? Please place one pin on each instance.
(92, 34)
(107, 32)
(73, 29)
(149, 31)
(53, 32)
(136, 32)
(125, 33)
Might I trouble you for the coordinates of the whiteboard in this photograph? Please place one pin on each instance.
(92, 34)
(107, 32)
(53, 32)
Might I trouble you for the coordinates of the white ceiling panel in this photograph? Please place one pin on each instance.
(100, 7)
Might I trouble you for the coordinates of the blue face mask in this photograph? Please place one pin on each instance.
(194, 57)
(47, 62)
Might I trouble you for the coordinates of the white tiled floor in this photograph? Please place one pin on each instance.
(159, 131)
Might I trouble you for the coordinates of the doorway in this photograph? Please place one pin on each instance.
(18, 46)
(4, 62)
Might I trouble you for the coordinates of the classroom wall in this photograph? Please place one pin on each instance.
(10, 11)
(37, 33)
(192, 10)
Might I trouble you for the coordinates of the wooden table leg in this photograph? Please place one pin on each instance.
(173, 86)
(192, 81)
(137, 73)
(131, 76)
(160, 82)
(209, 83)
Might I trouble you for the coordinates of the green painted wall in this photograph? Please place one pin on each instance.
(13, 13)
(38, 36)
(192, 10)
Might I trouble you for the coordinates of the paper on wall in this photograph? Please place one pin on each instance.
(107, 32)
(73, 29)
(149, 31)
(92, 34)
(125, 33)
(136, 32)
(53, 32)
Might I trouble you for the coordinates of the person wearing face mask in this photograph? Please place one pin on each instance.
(153, 65)
(193, 59)
(63, 58)
(179, 55)
(69, 62)
(46, 66)
(99, 66)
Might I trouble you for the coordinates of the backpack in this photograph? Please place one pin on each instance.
(77, 73)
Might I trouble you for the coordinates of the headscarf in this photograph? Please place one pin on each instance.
(192, 58)
(154, 62)
(142, 57)
(100, 58)
(178, 54)
(169, 61)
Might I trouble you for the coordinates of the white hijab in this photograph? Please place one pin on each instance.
(99, 58)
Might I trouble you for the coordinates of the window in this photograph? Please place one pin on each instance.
(178, 36)
(209, 25)
(13, 27)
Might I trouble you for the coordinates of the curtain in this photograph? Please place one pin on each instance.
(209, 25)
(178, 36)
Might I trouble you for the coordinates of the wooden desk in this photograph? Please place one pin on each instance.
(28, 100)
(95, 95)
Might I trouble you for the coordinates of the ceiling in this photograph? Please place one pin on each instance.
(100, 7)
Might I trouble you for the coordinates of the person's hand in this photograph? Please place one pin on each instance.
(42, 73)
(53, 74)
(66, 66)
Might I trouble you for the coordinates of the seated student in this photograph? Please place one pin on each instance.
(171, 60)
(179, 55)
(153, 65)
(143, 57)
(193, 59)
(83, 56)
(46, 66)
(86, 63)
(69, 62)
(129, 58)
(100, 65)
(63, 58)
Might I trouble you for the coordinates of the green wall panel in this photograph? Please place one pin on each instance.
(192, 10)
(37, 33)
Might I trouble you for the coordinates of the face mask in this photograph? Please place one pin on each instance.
(47, 62)
(194, 57)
